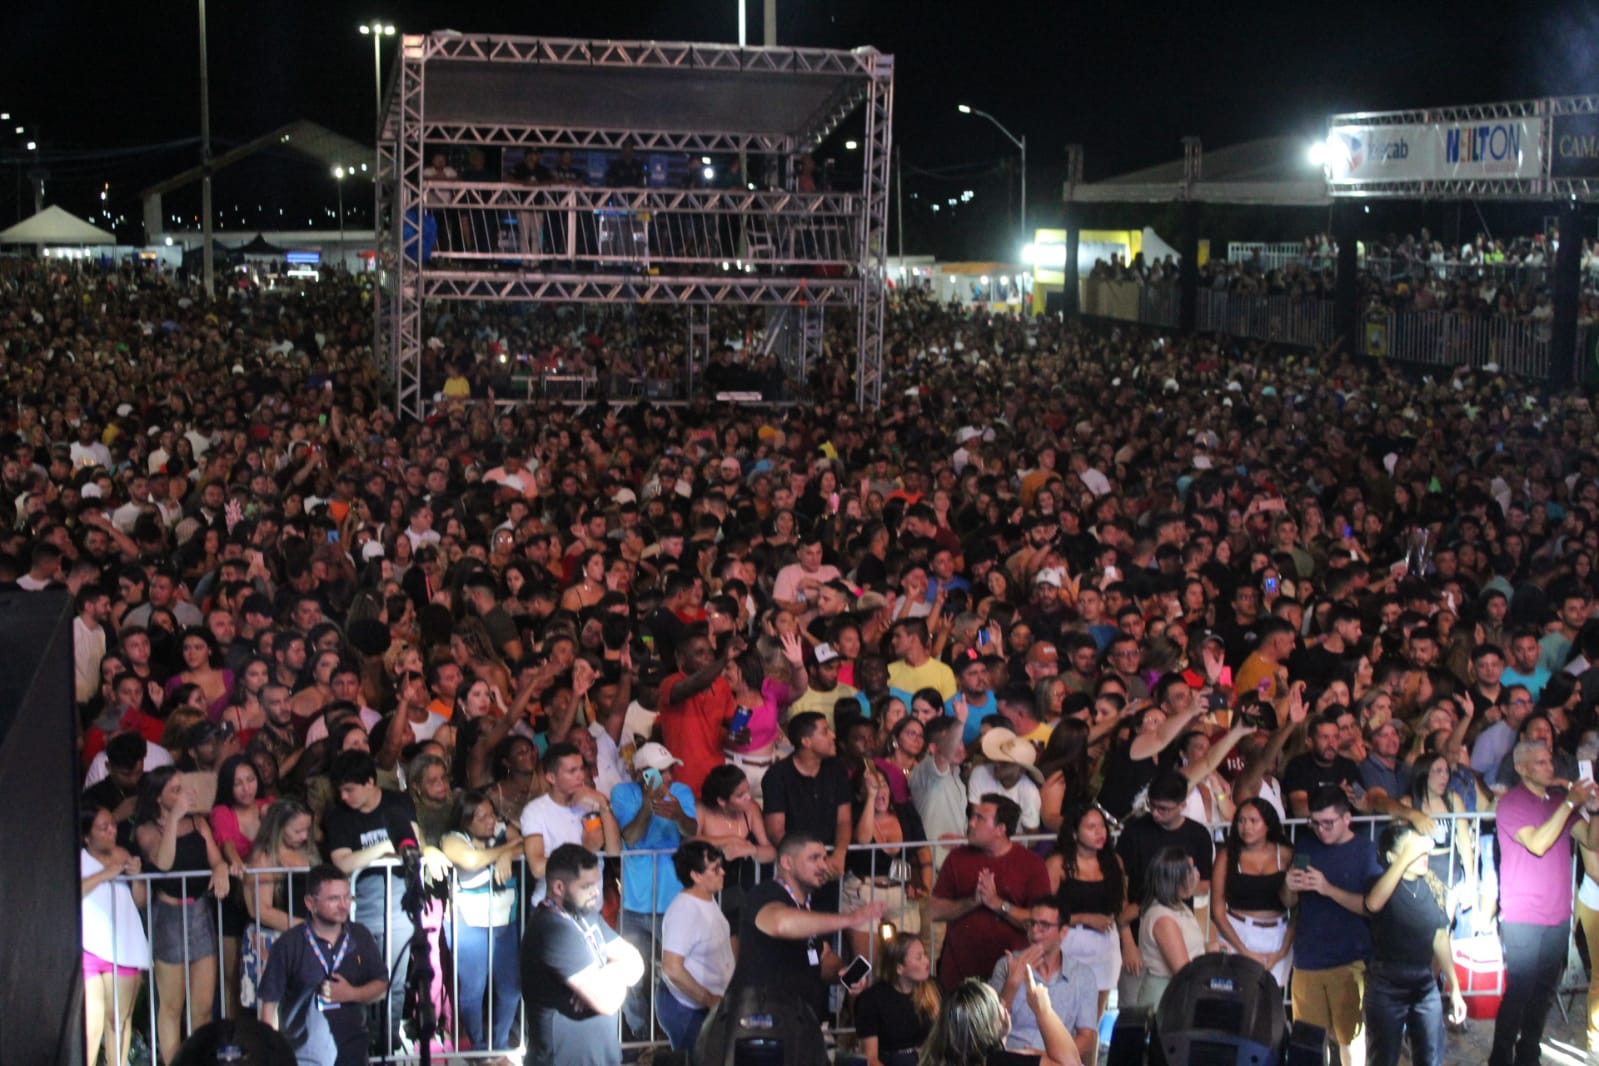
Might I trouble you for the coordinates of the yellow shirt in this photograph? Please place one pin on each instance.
(931, 674)
(821, 702)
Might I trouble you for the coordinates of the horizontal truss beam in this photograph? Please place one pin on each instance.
(600, 288)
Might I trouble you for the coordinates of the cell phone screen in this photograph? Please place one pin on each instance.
(1301, 862)
(855, 972)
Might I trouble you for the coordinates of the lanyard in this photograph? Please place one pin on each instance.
(810, 941)
(328, 968)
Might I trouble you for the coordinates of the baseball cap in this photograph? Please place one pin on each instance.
(653, 756)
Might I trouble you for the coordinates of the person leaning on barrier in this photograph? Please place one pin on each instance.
(576, 972)
(696, 945)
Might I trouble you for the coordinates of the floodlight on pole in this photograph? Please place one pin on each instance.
(1019, 142)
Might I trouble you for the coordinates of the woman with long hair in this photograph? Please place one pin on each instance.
(729, 817)
(1452, 861)
(284, 842)
(888, 873)
(202, 666)
(1168, 934)
(235, 821)
(765, 682)
(1091, 890)
(894, 1016)
(1248, 881)
(244, 712)
(1064, 764)
(1410, 931)
(173, 839)
(473, 651)
(972, 1025)
(115, 950)
(484, 849)
(907, 746)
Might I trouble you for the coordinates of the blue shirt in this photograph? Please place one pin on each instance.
(661, 834)
(1072, 992)
(975, 713)
(1329, 936)
(1533, 682)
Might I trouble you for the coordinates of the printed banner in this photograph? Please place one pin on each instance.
(1574, 147)
(1504, 148)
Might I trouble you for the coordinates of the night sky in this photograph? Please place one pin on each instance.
(110, 92)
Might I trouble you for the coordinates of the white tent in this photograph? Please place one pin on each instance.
(55, 226)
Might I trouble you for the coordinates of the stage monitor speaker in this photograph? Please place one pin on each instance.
(1220, 1010)
(41, 953)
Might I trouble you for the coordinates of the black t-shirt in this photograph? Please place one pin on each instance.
(1316, 665)
(783, 966)
(560, 1027)
(1143, 837)
(808, 803)
(294, 974)
(1125, 778)
(1304, 774)
(390, 820)
(887, 1013)
(1403, 930)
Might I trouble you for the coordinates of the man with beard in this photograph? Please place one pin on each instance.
(575, 970)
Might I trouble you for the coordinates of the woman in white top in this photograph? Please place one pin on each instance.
(115, 950)
(1168, 933)
(696, 946)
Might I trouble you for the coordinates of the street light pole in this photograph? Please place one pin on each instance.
(338, 181)
(208, 254)
(1020, 143)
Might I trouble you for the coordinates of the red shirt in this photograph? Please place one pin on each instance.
(974, 943)
(148, 727)
(696, 729)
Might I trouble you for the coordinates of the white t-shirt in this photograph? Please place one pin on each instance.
(697, 930)
(111, 927)
(557, 825)
(610, 766)
(1024, 792)
(155, 756)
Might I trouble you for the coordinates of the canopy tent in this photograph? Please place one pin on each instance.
(1271, 172)
(260, 246)
(55, 226)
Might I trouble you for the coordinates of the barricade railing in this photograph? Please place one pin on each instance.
(1520, 347)
(1282, 319)
(887, 872)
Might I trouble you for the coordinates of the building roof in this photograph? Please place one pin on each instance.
(1271, 171)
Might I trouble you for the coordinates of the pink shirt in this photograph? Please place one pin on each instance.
(1533, 889)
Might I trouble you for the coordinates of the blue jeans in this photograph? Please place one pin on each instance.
(1401, 998)
(472, 947)
(682, 1024)
(1535, 959)
(643, 931)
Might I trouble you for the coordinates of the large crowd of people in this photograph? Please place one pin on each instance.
(1484, 278)
(1126, 594)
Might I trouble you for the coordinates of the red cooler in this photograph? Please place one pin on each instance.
(1480, 969)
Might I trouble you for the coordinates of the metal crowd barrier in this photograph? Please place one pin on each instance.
(883, 866)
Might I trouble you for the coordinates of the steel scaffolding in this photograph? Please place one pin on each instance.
(772, 240)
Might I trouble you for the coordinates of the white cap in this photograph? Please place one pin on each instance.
(653, 756)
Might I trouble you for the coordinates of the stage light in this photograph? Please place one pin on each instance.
(709, 172)
(32, 146)
(851, 145)
(1316, 154)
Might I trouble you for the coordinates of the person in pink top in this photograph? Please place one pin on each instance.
(1536, 822)
(763, 687)
(235, 822)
